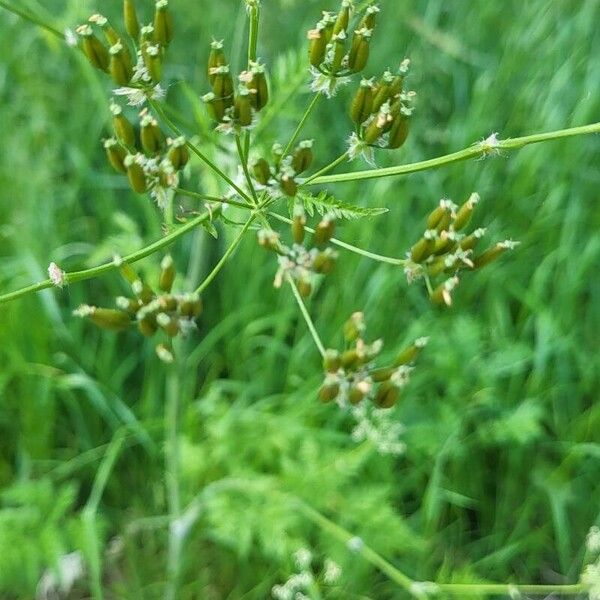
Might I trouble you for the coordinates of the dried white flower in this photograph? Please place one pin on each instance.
(592, 541)
(355, 544)
(332, 571)
(70, 38)
(57, 275)
(59, 581)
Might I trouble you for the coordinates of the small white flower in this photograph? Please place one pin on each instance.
(355, 544)
(57, 275)
(137, 97)
(70, 38)
(358, 147)
(591, 579)
(332, 572)
(59, 582)
(326, 84)
(303, 558)
(490, 145)
(592, 541)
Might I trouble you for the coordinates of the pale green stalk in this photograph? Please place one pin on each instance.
(207, 198)
(244, 163)
(312, 180)
(226, 256)
(477, 150)
(111, 266)
(305, 117)
(306, 315)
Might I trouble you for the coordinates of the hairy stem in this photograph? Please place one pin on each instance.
(207, 281)
(111, 266)
(476, 150)
(305, 117)
(306, 315)
(378, 257)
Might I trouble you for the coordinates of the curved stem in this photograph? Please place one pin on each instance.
(197, 151)
(306, 315)
(111, 266)
(479, 149)
(318, 176)
(472, 589)
(207, 281)
(307, 114)
(400, 262)
(32, 19)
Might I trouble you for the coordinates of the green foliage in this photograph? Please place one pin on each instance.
(325, 203)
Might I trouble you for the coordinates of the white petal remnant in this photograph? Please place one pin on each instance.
(59, 582)
(70, 38)
(490, 145)
(57, 275)
(138, 96)
(592, 541)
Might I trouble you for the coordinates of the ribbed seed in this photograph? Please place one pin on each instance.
(362, 103)
(132, 25)
(163, 23)
(116, 155)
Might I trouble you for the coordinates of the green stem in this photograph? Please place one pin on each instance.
(244, 163)
(306, 315)
(172, 414)
(206, 198)
(305, 117)
(111, 266)
(197, 151)
(378, 257)
(253, 33)
(32, 19)
(318, 176)
(476, 150)
(226, 256)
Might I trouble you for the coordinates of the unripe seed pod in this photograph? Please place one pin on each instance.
(441, 216)
(163, 23)
(387, 395)
(109, 33)
(258, 86)
(151, 136)
(147, 35)
(121, 69)
(439, 265)
(289, 185)
(167, 303)
(191, 306)
(339, 50)
(135, 173)
(304, 287)
(343, 18)
(383, 90)
(243, 107)
(269, 239)
(329, 391)
(178, 153)
(470, 241)
(167, 274)
(216, 106)
(324, 262)
(362, 103)
(317, 46)
(298, 231)
(398, 83)
(123, 128)
(493, 253)
(261, 171)
(354, 326)
(398, 132)
(170, 325)
(410, 353)
(328, 22)
(132, 25)
(153, 59)
(303, 156)
(324, 231)
(142, 290)
(446, 242)
(216, 59)
(332, 361)
(93, 48)
(424, 247)
(116, 154)
(464, 213)
(109, 318)
(359, 52)
(147, 324)
(370, 17)
(223, 85)
(380, 375)
(350, 359)
(375, 129)
(443, 293)
(358, 391)
(277, 152)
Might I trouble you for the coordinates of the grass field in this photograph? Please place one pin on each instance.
(500, 479)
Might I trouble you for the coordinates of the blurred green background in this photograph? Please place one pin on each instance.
(501, 475)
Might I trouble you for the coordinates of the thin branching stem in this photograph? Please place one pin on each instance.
(302, 122)
(244, 163)
(320, 174)
(400, 262)
(208, 198)
(480, 149)
(111, 266)
(207, 281)
(306, 315)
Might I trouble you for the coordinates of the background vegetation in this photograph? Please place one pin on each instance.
(501, 475)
